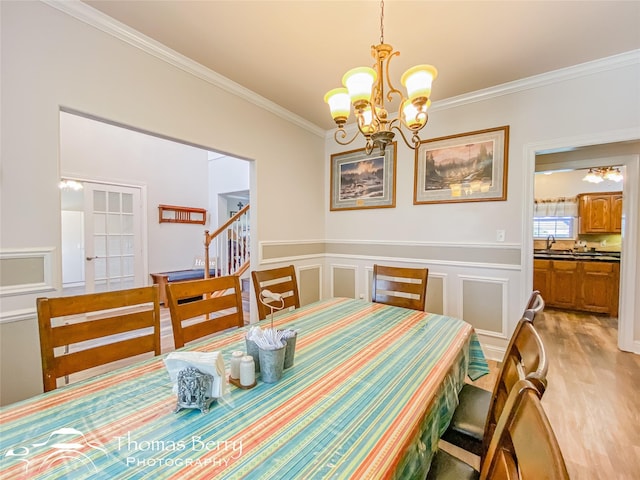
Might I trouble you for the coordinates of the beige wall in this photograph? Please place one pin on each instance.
(52, 61)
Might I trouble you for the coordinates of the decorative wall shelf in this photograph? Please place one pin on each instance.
(175, 214)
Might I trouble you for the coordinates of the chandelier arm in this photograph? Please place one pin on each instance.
(392, 89)
(368, 148)
(415, 139)
(343, 134)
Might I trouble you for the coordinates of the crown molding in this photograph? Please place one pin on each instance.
(556, 76)
(91, 16)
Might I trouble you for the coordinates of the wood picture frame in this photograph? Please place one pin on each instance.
(467, 167)
(361, 181)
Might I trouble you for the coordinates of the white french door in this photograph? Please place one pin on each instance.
(113, 237)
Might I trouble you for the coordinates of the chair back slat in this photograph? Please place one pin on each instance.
(96, 329)
(104, 354)
(202, 307)
(400, 286)
(101, 327)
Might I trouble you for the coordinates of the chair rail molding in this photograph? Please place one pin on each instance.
(21, 315)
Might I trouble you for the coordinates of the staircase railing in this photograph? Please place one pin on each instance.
(228, 246)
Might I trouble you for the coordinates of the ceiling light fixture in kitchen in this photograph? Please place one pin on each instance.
(600, 174)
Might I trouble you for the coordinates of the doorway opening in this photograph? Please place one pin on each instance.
(162, 171)
(623, 150)
(577, 252)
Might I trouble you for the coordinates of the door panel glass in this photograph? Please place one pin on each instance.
(99, 223)
(113, 225)
(100, 246)
(127, 203)
(127, 245)
(113, 265)
(127, 224)
(99, 201)
(114, 202)
(114, 246)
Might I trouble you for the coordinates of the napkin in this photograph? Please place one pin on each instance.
(211, 363)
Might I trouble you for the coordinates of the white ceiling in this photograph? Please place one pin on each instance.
(293, 52)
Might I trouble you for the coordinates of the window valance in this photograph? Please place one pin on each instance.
(556, 207)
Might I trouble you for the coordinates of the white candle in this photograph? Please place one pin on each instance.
(234, 371)
(247, 371)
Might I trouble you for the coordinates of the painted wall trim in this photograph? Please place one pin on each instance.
(46, 285)
(106, 24)
(555, 76)
(491, 352)
(505, 256)
(18, 315)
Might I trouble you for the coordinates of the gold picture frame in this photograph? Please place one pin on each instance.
(361, 181)
(467, 167)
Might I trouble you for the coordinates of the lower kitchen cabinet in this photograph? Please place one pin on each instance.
(599, 293)
(578, 285)
(564, 283)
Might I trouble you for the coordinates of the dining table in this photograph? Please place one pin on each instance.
(371, 389)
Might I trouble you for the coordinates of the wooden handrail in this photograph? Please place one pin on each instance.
(208, 237)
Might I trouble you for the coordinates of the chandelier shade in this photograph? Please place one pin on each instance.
(417, 80)
(367, 89)
(339, 104)
(599, 175)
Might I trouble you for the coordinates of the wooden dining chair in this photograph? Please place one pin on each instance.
(523, 446)
(278, 280)
(536, 303)
(202, 307)
(86, 331)
(400, 286)
(478, 410)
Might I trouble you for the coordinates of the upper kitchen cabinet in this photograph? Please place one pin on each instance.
(600, 212)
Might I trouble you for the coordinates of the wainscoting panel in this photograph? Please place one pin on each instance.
(26, 271)
(436, 288)
(491, 295)
(343, 281)
(310, 283)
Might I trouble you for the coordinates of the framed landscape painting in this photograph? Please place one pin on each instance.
(469, 167)
(360, 181)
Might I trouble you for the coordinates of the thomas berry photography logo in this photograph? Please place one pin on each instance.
(65, 445)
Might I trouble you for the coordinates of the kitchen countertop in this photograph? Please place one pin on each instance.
(581, 256)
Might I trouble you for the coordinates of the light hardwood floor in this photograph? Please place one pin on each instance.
(593, 395)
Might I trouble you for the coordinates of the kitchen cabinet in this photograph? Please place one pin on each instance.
(542, 278)
(564, 283)
(590, 286)
(600, 212)
(599, 294)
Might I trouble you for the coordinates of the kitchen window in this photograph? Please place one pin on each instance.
(559, 227)
(555, 216)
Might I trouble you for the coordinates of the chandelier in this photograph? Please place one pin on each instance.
(597, 175)
(364, 87)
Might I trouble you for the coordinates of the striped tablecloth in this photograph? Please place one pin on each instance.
(371, 390)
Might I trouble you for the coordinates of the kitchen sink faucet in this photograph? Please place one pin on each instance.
(550, 241)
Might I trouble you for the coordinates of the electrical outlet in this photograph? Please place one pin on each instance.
(500, 235)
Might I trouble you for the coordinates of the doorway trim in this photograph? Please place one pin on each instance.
(630, 193)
